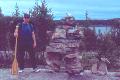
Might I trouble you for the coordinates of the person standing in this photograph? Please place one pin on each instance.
(26, 42)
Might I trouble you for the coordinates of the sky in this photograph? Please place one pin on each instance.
(97, 9)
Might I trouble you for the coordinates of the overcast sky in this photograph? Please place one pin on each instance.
(97, 9)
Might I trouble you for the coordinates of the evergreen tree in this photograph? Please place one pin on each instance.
(43, 21)
(17, 12)
(1, 12)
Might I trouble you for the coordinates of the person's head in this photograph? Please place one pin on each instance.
(26, 18)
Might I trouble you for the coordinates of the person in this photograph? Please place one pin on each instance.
(26, 42)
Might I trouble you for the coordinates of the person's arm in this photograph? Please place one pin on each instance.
(34, 39)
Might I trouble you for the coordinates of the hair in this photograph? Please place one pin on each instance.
(26, 15)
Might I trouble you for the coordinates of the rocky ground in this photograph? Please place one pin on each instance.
(44, 74)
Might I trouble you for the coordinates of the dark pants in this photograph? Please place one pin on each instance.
(21, 54)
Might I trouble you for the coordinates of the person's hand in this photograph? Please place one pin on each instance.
(34, 45)
(15, 34)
